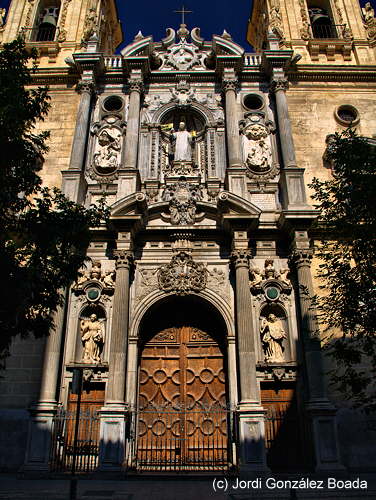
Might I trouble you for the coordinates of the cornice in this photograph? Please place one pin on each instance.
(304, 73)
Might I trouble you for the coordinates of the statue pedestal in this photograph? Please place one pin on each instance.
(112, 436)
(181, 168)
(252, 437)
(324, 433)
(39, 436)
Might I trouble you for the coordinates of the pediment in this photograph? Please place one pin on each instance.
(134, 204)
(234, 205)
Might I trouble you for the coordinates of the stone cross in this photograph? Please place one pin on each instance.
(182, 11)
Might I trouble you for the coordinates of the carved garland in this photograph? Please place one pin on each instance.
(304, 31)
(63, 32)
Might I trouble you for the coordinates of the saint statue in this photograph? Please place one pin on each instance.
(92, 337)
(183, 144)
(272, 335)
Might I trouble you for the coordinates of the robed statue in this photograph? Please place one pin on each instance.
(92, 336)
(183, 144)
(272, 336)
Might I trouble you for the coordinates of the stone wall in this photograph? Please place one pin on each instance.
(19, 388)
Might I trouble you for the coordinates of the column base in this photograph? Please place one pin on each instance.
(113, 420)
(251, 416)
(39, 436)
(324, 431)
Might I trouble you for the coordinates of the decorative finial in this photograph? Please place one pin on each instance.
(182, 32)
(138, 37)
(226, 35)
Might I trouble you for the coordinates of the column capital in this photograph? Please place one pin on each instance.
(87, 86)
(279, 84)
(136, 85)
(230, 84)
(301, 257)
(124, 259)
(240, 257)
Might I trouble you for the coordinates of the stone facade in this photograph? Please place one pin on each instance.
(217, 217)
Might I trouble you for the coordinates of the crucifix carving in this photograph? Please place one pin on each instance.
(182, 11)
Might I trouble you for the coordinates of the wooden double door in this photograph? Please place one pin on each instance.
(182, 413)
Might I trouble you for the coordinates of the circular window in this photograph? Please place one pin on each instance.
(253, 102)
(347, 115)
(272, 293)
(93, 294)
(113, 103)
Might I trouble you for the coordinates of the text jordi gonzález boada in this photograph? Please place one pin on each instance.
(303, 483)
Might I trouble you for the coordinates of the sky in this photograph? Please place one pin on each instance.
(152, 17)
(212, 16)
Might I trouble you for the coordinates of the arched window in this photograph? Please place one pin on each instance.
(321, 20)
(46, 19)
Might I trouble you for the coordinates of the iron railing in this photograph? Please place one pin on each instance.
(327, 30)
(42, 34)
(61, 453)
(181, 440)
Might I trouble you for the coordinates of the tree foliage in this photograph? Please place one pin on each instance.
(347, 219)
(43, 235)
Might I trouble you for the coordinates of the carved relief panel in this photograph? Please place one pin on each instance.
(257, 147)
(107, 136)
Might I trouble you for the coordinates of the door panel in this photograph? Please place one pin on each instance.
(182, 420)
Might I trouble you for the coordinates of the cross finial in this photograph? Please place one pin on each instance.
(182, 11)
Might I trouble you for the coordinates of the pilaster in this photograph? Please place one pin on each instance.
(229, 85)
(43, 412)
(114, 412)
(250, 412)
(320, 410)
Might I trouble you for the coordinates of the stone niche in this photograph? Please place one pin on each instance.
(274, 335)
(91, 335)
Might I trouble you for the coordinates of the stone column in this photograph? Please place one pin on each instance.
(43, 412)
(74, 185)
(250, 411)
(292, 179)
(230, 84)
(320, 410)
(133, 123)
(279, 88)
(113, 414)
(82, 126)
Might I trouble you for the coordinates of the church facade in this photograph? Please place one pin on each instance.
(198, 349)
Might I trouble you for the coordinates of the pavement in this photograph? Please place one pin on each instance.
(139, 487)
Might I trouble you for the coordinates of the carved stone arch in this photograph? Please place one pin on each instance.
(207, 295)
(202, 110)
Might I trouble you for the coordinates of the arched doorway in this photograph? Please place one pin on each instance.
(182, 417)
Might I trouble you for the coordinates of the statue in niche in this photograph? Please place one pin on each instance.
(107, 152)
(257, 153)
(2, 17)
(183, 144)
(92, 336)
(272, 336)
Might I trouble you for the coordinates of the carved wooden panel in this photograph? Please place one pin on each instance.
(182, 401)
